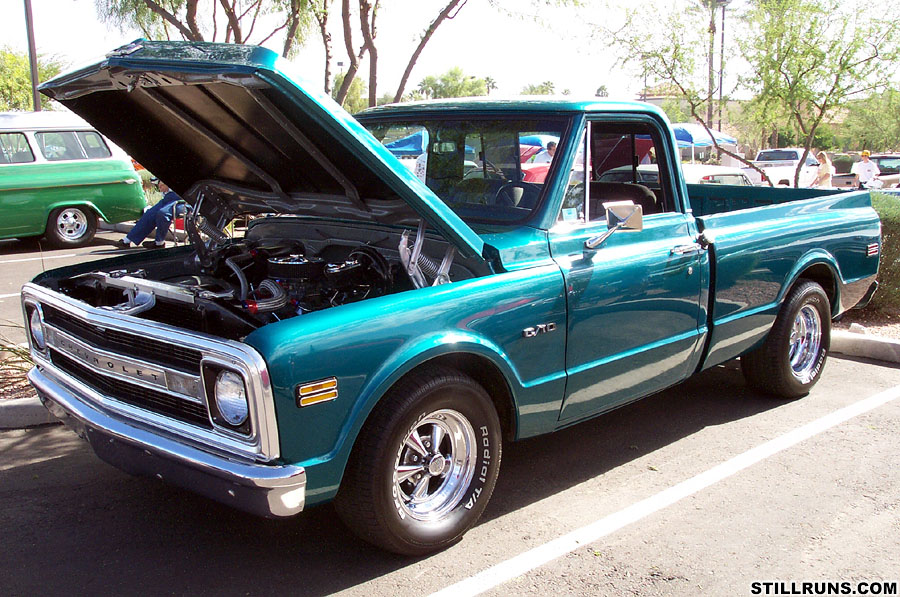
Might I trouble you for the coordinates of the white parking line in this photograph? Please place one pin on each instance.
(4, 296)
(529, 560)
(39, 258)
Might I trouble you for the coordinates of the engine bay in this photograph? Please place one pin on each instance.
(284, 267)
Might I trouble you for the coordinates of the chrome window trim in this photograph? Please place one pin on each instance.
(262, 445)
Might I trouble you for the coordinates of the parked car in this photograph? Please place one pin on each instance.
(780, 165)
(693, 174)
(58, 175)
(375, 338)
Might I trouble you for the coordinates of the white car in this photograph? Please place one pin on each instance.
(703, 174)
(693, 174)
(780, 165)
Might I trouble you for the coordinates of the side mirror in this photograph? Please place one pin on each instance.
(620, 215)
(624, 215)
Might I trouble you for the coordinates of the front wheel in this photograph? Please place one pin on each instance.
(425, 464)
(71, 226)
(791, 360)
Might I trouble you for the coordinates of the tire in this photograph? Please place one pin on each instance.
(793, 356)
(71, 226)
(407, 496)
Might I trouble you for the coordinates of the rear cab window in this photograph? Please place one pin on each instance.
(14, 149)
(624, 164)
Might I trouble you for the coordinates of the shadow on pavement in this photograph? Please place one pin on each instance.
(74, 524)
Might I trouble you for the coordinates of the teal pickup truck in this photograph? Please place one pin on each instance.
(385, 324)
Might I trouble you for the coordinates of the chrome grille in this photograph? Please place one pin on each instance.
(147, 349)
(151, 373)
(133, 394)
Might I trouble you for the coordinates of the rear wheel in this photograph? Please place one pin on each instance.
(791, 360)
(425, 464)
(71, 226)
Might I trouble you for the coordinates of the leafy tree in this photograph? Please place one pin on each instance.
(545, 88)
(238, 21)
(490, 84)
(355, 100)
(601, 91)
(453, 83)
(873, 122)
(678, 56)
(675, 110)
(809, 57)
(15, 79)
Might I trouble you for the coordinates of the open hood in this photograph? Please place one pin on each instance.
(229, 117)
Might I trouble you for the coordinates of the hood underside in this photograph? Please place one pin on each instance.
(201, 115)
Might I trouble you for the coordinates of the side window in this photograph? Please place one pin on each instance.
(60, 145)
(93, 145)
(624, 162)
(14, 149)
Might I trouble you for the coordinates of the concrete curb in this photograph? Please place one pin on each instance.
(853, 344)
(29, 412)
(24, 412)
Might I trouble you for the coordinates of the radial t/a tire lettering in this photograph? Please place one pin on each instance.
(793, 356)
(425, 464)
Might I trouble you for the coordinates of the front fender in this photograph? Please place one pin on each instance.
(369, 345)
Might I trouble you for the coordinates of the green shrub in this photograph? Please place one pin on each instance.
(888, 296)
(842, 163)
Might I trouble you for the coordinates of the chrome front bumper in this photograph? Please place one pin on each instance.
(272, 491)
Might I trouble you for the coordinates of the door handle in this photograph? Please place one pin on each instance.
(686, 249)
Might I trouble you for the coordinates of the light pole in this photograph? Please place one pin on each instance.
(723, 4)
(32, 57)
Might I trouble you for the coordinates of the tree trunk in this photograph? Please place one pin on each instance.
(234, 24)
(321, 15)
(367, 13)
(171, 19)
(354, 58)
(191, 18)
(444, 14)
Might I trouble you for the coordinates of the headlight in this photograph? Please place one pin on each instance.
(231, 398)
(36, 326)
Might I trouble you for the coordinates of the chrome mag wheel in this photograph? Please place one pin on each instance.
(805, 343)
(435, 465)
(71, 224)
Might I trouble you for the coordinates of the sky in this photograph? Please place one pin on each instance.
(552, 44)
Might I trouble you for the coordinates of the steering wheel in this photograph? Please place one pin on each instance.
(505, 197)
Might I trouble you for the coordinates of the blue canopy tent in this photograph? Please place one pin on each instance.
(409, 146)
(690, 134)
(537, 140)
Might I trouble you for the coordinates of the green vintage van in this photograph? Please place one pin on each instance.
(58, 176)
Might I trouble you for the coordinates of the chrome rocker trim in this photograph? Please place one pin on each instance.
(272, 491)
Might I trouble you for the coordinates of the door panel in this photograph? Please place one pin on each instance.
(634, 311)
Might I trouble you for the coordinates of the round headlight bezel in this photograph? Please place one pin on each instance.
(36, 329)
(230, 395)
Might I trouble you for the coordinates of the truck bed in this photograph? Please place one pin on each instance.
(763, 238)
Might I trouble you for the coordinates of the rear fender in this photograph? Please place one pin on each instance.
(820, 266)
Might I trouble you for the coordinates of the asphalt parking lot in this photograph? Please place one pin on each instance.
(823, 504)
(21, 260)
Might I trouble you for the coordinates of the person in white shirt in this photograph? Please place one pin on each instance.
(824, 173)
(545, 156)
(865, 170)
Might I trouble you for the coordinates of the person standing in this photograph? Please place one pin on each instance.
(159, 216)
(824, 173)
(865, 170)
(545, 156)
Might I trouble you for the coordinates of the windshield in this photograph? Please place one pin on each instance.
(485, 168)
